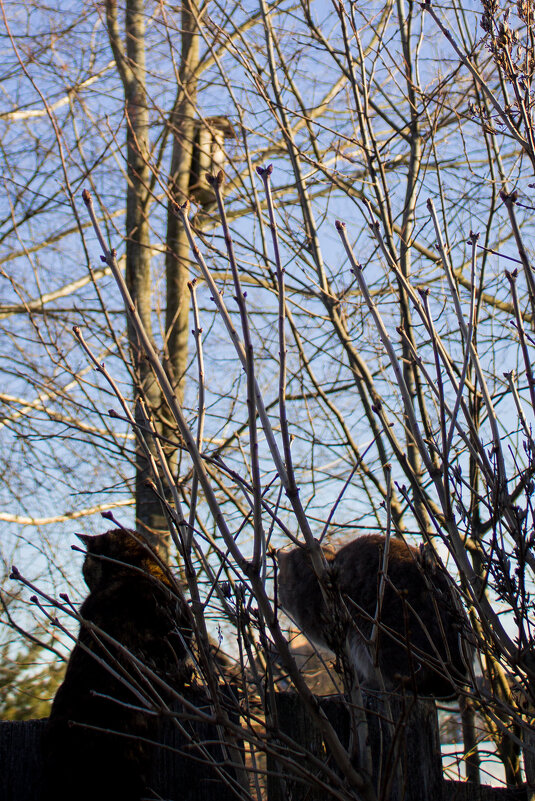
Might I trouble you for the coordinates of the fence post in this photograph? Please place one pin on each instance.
(528, 737)
(414, 725)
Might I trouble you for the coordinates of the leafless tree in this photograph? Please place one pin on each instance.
(360, 372)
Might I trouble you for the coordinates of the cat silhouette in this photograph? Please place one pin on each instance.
(96, 746)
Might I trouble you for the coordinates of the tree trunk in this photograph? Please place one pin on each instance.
(150, 516)
(138, 256)
(177, 251)
(183, 128)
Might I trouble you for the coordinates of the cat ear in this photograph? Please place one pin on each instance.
(85, 538)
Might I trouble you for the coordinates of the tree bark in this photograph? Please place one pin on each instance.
(177, 252)
(150, 516)
(138, 257)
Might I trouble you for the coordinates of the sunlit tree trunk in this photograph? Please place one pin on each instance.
(183, 129)
(150, 515)
(182, 124)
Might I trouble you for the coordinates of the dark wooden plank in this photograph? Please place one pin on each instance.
(528, 736)
(190, 767)
(415, 728)
(20, 759)
(466, 791)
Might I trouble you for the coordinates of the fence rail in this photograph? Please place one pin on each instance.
(413, 725)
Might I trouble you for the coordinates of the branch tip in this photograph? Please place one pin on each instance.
(265, 172)
(215, 180)
(509, 198)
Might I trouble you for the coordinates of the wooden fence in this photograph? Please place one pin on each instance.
(178, 777)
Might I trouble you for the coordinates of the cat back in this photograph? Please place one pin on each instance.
(419, 625)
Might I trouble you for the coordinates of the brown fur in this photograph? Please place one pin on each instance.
(146, 613)
(420, 626)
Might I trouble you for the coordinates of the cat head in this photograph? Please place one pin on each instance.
(114, 554)
(295, 575)
(293, 563)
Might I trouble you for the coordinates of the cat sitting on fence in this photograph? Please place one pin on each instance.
(417, 640)
(135, 630)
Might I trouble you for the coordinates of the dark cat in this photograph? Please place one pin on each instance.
(93, 747)
(420, 626)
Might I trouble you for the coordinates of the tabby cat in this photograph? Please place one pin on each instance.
(420, 626)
